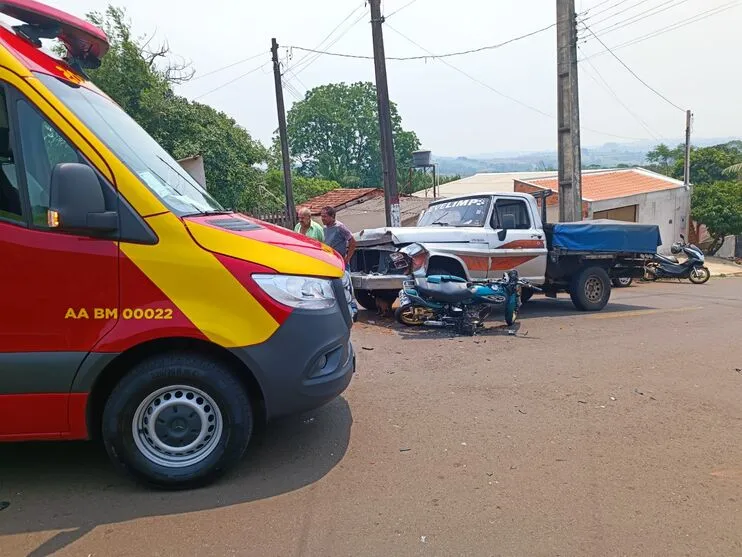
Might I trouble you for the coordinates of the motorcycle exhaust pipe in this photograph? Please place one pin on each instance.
(434, 323)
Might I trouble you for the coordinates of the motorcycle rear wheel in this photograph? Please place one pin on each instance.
(699, 275)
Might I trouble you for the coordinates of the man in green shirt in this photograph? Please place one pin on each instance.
(308, 227)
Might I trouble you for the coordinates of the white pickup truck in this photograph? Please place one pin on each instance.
(480, 236)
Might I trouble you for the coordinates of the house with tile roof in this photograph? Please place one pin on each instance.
(340, 198)
(632, 195)
(359, 208)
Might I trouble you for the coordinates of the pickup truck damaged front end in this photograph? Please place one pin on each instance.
(371, 266)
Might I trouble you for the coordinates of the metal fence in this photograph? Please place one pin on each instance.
(280, 218)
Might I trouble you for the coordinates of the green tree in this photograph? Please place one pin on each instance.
(140, 79)
(718, 205)
(334, 134)
(663, 158)
(708, 164)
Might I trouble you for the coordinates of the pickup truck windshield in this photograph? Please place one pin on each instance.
(471, 211)
(156, 169)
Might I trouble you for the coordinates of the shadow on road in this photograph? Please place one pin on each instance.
(72, 486)
(538, 307)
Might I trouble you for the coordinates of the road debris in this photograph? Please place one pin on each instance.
(404, 450)
(366, 347)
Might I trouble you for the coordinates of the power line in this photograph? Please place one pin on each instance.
(608, 9)
(260, 67)
(333, 30)
(672, 27)
(197, 77)
(632, 71)
(637, 17)
(598, 5)
(500, 93)
(298, 67)
(482, 83)
(627, 10)
(608, 88)
(400, 9)
(431, 56)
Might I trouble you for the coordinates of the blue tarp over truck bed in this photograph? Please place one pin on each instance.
(606, 236)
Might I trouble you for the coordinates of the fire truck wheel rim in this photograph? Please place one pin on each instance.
(177, 426)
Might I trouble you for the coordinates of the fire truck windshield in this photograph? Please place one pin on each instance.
(157, 170)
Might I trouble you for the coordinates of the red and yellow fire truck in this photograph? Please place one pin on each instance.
(135, 309)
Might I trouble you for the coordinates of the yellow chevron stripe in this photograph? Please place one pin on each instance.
(281, 259)
(199, 285)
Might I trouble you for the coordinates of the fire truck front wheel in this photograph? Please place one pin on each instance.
(177, 421)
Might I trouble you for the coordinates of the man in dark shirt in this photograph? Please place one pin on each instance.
(337, 235)
(340, 238)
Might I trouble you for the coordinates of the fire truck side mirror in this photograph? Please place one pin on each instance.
(77, 201)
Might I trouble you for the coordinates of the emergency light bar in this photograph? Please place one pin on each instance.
(86, 44)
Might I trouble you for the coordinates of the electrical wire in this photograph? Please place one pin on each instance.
(431, 56)
(400, 9)
(634, 73)
(309, 59)
(232, 81)
(199, 76)
(500, 93)
(613, 93)
(637, 17)
(334, 29)
(482, 83)
(598, 5)
(620, 12)
(672, 27)
(608, 9)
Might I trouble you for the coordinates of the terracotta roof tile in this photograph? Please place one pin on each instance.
(600, 186)
(339, 198)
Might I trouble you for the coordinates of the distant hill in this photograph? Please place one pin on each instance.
(609, 155)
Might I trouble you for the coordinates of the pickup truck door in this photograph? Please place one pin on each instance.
(515, 243)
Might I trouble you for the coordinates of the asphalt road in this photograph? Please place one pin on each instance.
(615, 433)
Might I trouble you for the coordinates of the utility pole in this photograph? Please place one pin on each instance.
(568, 119)
(288, 187)
(388, 161)
(686, 166)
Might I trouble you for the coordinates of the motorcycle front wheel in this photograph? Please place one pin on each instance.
(411, 316)
(511, 310)
(699, 275)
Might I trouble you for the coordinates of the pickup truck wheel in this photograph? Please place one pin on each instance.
(366, 299)
(177, 421)
(590, 289)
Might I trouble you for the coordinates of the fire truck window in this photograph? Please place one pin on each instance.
(43, 148)
(10, 199)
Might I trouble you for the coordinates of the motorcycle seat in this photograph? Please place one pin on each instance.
(449, 292)
(437, 279)
(668, 258)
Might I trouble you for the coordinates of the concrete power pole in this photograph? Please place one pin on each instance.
(686, 166)
(287, 185)
(388, 160)
(568, 120)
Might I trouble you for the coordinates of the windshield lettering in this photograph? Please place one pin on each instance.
(471, 212)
